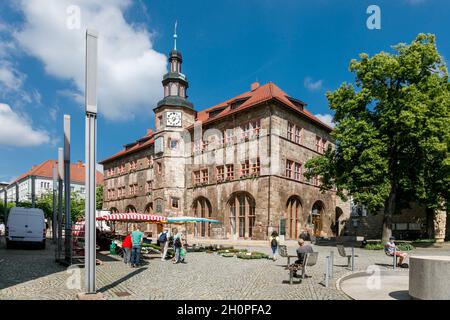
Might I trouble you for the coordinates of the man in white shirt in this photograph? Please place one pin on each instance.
(2, 228)
(163, 238)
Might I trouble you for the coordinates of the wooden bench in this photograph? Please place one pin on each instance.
(282, 250)
(309, 261)
(342, 253)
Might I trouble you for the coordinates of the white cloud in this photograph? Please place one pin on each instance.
(130, 70)
(16, 130)
(312, 85)
(10, 78)
(326, 118)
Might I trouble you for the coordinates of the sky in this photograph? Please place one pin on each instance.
(302, 46)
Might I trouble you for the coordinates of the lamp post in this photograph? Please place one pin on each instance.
(54, 220)
(67, 186)
(60, 203)
(33, 191)
(91, 148)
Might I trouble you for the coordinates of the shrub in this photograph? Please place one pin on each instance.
(228, 255)
(405, 246)
(252, 255)
(374, 246)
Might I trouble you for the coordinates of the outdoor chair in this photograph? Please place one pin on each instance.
(309, 261)
(342, 253)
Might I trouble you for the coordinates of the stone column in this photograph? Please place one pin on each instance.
(440, 218)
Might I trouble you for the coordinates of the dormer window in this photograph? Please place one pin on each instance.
(237, 103)
(215, 112)
(298, 103)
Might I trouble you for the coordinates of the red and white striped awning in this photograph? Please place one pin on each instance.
(133, 217)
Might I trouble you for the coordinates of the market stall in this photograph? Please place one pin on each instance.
(183, 220)
(129, 218)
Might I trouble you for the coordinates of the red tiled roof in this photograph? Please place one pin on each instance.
(250, 98)
(45, 170)
(146, 140)
(263, 93)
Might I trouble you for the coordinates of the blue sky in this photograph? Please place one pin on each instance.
(303, 46)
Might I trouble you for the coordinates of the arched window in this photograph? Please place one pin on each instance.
(149, 208)
(241, 208)
(338, 224)
(114, 210)
(293, 216)
(317, 216)
(202, 209)
(159, 206)
(173, 89)
(130, 209)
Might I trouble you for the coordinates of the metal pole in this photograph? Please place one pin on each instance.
(17, 193)
(54, 220)
(5, 204)
(60, 202)
(353, 257)
(67, 186)
(327, 271)
(90, 144)
(331, 263)
(33, 191)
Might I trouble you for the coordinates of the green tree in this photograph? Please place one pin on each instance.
(392, 131)
(99, 197)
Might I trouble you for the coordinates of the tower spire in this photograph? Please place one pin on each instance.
(175, 37)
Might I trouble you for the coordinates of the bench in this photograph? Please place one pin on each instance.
(309, 261)
(342, 253)
(282, 250)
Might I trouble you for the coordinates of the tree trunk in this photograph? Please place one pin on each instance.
(440, 217)
(389, 210)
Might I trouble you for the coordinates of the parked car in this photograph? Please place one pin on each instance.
(26, 226)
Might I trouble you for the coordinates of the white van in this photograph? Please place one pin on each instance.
(25, 225)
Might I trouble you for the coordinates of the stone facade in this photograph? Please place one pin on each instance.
(240, 162)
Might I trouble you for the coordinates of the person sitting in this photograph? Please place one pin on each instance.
(302, 250)
(390, 248)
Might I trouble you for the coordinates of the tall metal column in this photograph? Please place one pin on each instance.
(60, 202)
(17, 193)
(33, 191)
(67, 187)
(91, 149)
(54, 220)
(5, 204)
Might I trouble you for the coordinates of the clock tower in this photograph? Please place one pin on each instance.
(173, 114)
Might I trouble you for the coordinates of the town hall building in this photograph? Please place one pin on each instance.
(240, 162)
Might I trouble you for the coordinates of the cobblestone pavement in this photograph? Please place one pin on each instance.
(33, 274)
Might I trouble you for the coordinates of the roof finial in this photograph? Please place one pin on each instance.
(175, 37)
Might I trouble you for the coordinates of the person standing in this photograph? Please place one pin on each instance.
(177, 244)
(163, 243)
(136, 239)
(127, 246)
(274, 241)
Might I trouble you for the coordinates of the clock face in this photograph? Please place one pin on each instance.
(173, 118)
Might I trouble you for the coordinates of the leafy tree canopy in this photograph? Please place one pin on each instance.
(392, 130)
